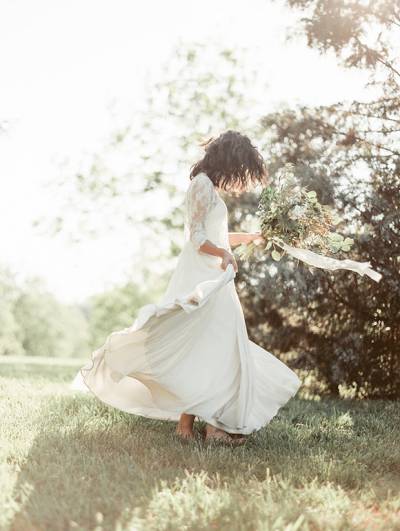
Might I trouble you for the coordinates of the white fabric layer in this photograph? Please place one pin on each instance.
(190, 352)
(332, 264)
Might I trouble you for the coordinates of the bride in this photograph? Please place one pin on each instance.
(189, 355)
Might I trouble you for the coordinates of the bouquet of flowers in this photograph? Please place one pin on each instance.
(293, 222)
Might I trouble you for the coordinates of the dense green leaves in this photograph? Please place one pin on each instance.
(344, 326)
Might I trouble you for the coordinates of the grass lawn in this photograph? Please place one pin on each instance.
(70, 462)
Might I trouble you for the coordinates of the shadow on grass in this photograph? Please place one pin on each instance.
(85, 466)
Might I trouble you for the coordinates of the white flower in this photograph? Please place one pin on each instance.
(295, 193)
(297, 212)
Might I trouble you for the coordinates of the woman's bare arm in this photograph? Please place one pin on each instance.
(210, 248)
(227, 258)
(236, 238)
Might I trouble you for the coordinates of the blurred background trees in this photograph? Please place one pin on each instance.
(341, 329)
(34, 323)
(341, 326)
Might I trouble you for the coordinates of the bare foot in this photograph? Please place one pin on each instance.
(239, 437)
(185, 432)
(185, 426)
(216, 434)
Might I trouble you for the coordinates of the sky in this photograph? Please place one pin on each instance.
(67, 67)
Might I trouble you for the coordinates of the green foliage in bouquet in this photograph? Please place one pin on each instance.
(291, 214)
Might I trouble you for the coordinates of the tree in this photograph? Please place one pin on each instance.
(47, 327)
(116, 309)
(34, 323)
(146, 160)
(344, 326)
(9, 327)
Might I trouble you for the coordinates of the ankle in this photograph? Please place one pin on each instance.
(186, 421)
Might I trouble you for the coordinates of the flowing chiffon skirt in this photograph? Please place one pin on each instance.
(190, 353)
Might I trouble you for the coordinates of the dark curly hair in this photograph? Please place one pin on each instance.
(231, 162)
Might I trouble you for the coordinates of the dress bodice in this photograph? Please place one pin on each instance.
(206, 214)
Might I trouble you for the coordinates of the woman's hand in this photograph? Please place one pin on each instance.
(228, 258)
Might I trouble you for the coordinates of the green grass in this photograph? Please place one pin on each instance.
(70, 462)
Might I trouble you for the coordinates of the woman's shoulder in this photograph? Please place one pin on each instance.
(201, 187)
(203, 180)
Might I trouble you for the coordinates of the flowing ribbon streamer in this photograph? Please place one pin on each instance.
(324, 262)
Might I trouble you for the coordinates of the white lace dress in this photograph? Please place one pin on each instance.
(190, 352)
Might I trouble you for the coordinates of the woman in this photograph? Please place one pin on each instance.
(189, 355)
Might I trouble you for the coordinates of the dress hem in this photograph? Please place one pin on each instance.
(174, 416)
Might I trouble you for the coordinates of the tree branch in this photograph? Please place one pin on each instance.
(359, 139)
(375, 117)
(388, 65)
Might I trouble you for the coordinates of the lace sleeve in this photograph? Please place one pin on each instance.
(200, 200)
